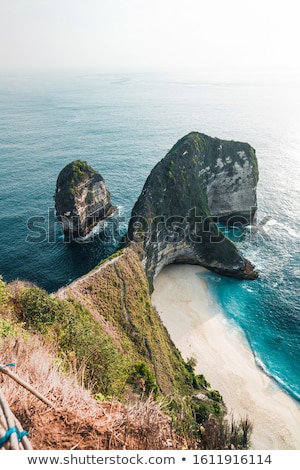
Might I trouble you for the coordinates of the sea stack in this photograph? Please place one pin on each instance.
(81, 199)
(201, 181)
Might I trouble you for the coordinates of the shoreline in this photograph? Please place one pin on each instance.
(199, 329)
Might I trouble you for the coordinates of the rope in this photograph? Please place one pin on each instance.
(13, 436)
(9, 432)
(12, 364)
(14, 433)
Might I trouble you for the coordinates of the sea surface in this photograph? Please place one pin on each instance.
(122, 125)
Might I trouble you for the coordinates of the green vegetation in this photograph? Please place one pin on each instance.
(129, 344)
(4, 295)
(144, 379)
(178, 188)
(205, 148)
(10, 328)
(118, 293)
(79, 338)
(73, 174)
(67, 183)
(106, 328)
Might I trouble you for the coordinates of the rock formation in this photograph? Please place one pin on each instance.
(81, 199)
(200, 181)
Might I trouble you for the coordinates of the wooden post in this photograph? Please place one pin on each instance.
(25, 385)
(14, 444)
(3, 427)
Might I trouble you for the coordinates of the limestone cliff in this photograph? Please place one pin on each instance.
(200, 180)
(81, 198)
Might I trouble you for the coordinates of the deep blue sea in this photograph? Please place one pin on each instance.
(122, 125)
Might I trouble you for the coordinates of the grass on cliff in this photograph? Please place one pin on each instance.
(115, 347)
(69, 178)
(73, 173)
(78, 420)
(80, 340)
(118, 297)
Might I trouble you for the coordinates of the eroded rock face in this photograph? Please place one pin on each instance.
(231, 179)
(81, 199)
(201, 180)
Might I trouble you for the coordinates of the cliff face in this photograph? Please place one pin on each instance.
(201, 180)
(117, 295)
(81, 198)
(231, 176)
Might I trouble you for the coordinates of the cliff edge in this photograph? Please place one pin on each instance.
(201, 181)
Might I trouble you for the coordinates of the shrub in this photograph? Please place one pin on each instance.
(197, 381)
(4, 295)
(143, 377)
(8, 328)
(37, 309)
(220, 433)
(215, 395)
(78, 333)
(80, 339)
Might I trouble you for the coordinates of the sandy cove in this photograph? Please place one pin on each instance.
(199, 329)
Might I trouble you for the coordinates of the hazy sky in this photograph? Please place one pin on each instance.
(260, 35)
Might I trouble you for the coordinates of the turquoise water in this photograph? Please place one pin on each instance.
(122, 125)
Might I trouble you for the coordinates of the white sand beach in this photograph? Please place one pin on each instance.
(199, 329)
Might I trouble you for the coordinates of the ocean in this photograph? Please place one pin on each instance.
(122, 125)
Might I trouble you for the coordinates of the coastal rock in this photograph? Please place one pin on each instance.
(200, 181)
(81, 199)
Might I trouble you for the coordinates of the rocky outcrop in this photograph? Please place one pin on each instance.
(81, 199)
(200, 181)
(231, 176)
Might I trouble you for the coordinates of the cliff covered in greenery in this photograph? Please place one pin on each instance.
(104, 330)
(201, 181)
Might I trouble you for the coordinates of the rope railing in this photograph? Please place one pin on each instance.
(12, 435)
